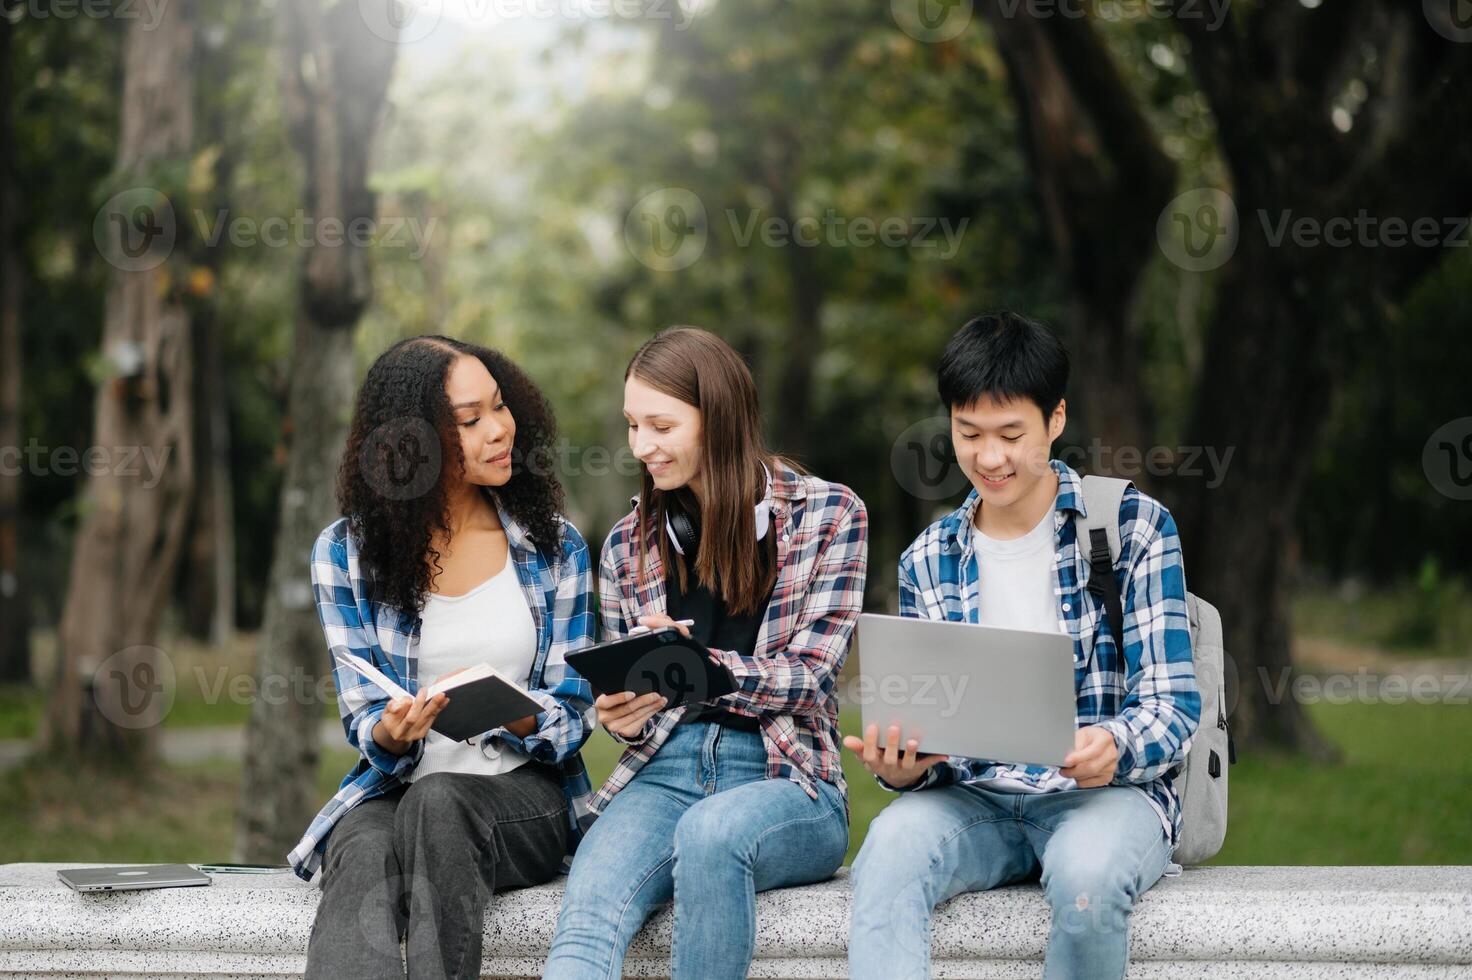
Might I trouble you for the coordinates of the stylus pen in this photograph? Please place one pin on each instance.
(678, 622)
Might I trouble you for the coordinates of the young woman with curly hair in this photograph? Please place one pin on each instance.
(452, 552)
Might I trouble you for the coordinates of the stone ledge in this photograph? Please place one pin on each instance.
(1214, 923)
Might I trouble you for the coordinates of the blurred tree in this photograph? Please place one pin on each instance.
(1320, 114)
(336, 73)
(15, 649)
(129, 542)
(1100, 179)
(1325, 114)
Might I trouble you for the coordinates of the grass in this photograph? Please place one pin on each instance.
(1400, 796)
(211, 687)
(1426, 618)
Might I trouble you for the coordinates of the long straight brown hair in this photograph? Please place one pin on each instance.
(702, 370)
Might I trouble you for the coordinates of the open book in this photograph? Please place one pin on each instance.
(481, 698)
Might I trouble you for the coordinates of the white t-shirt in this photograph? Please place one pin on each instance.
(1017, 580)
(1017, 592)
(489, 624)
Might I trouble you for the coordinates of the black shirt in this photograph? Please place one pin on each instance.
(717, 628)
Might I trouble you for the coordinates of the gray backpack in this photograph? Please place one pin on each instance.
(1201, 781)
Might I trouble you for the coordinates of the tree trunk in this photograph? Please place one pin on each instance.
(336, 77)
(129, 541)
(15, 651)
(1100, 179)
(1291, 317)
(804, 337)
(209, 567)
(1286, 318)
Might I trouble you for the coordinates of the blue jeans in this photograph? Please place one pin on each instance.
(1098, 849)
(700, 823)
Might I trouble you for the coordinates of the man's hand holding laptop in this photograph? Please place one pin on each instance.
(1093, 759)
(1091, 763)
(898, 769)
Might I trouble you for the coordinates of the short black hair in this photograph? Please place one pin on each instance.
(1006, 356)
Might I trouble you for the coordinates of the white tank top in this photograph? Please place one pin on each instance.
(489, 624)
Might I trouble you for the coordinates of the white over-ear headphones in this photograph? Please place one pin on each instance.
(689, 533)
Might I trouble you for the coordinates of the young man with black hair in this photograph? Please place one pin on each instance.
(1100, 830)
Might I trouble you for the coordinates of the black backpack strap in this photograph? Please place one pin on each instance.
(1104, 585)
(1100, 528)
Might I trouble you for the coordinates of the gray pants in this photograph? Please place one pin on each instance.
(424, 860)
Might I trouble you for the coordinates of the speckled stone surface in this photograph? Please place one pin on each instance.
(1244, 923)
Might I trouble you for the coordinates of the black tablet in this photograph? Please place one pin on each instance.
(663, 661)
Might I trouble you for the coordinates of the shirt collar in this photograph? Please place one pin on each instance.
(516, 535)
(955, 527)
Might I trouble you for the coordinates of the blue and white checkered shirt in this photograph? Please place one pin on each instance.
(562, 602)
(1146, 698)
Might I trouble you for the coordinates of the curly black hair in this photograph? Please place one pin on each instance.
(403, 447)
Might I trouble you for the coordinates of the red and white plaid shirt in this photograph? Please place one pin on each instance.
(788, 682)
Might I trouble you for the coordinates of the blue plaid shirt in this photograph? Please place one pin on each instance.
(561, 599)
(1147, 698)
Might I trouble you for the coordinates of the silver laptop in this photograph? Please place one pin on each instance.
(131, 878)
(962, 689)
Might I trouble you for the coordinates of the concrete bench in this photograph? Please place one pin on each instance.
(1243, 923)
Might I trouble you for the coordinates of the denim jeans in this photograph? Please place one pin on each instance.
(424, 860)
(1098, 850)
(701, 824)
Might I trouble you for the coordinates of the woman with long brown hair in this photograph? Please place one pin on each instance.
(714, 802)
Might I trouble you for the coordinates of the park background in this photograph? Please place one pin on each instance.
(1247, 218)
